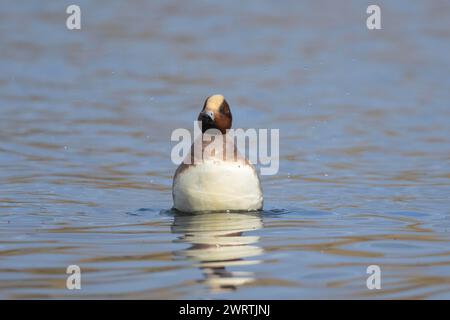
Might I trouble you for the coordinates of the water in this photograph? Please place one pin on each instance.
(85, 170)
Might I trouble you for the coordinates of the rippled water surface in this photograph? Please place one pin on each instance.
(85, 169)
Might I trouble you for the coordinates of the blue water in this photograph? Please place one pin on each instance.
(85, 170)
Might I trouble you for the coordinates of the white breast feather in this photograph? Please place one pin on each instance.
(218, 186)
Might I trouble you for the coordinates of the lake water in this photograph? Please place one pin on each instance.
(85, 170)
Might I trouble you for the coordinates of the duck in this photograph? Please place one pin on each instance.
(213, 181)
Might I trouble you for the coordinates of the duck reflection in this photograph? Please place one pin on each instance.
(218, 241)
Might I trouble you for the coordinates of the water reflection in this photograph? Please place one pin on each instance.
(218, 242)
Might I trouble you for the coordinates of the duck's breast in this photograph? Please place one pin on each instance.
(217, 186)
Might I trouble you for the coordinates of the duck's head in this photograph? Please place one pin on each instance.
(216, 114)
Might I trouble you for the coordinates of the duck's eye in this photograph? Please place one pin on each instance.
(224, 109)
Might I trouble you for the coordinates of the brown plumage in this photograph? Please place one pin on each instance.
(216, 114)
